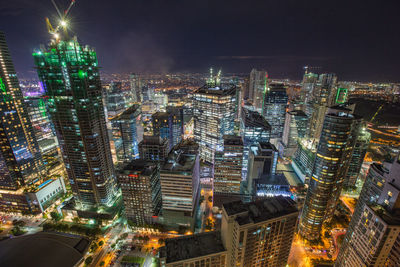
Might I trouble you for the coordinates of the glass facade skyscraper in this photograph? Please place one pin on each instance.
(339, 132)
(20, 158)
(168, 125)
(127, 131)
(228, 166)
(274, 108)
(70, 76)
(254, 129)
(214, 112)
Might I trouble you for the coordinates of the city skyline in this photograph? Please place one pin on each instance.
(155, 36)
(146, 168)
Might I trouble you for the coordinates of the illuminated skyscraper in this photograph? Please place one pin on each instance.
(141, 190)
(214, 111)
(258, 84)
(228, 166)
(70, 76)
(20, 159)
(168, 125)
(115, 99)
(274, 108)
(127, 133)
(259, 233)
(306, 95)
(323, 97)
(263, 159)
(153, 148)
(180, 182)
(254, 129)
(357, 157)
(339, 132)
(136, 88)
(42, 127)
(373, 236)
(296, 124)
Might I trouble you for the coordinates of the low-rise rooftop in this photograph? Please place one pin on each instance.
(260, 210)
(43, 249)
(193, 246)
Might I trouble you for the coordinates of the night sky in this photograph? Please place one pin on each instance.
(358, 40)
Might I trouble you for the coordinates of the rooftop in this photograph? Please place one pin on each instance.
(153, 140)
(224, 90)
(179, 161)
(254, 119)
(260, 210)
(193, 246)
(267, 145)
(275, 179)
(132, 110)
(297, 112)
(43, 249)
(141, 166)
(231, 140)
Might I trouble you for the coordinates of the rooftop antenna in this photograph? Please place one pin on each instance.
(62, 23)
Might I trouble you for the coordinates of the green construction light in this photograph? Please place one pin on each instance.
(341, 98)
(6, 96)
(82, 74)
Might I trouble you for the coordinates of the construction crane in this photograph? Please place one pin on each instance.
(376, 113)
(62, 24)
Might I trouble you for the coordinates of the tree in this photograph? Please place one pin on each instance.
(55, 216)
(88, 260)
(94, 247)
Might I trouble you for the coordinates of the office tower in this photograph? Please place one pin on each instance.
(24, 187)
(259, 233)
(303, 159)
(127, 131)
(258, 84)
(307, 89)
(180, 184)
(147, 93)
(70, 76)
(42, 127)
(141, 190)
(153, 148)
(205, 249)
(136, 88)
(228, 166)
(262, 161)
(168, 125)
(214, 111)
(323, 97)
(296, 123)
(274, 108)
(339, 132)
(373, 236)
(20, 159)
(357, 157)
(254, 129)
(115, 99)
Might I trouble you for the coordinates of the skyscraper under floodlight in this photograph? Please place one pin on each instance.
(69, 72)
